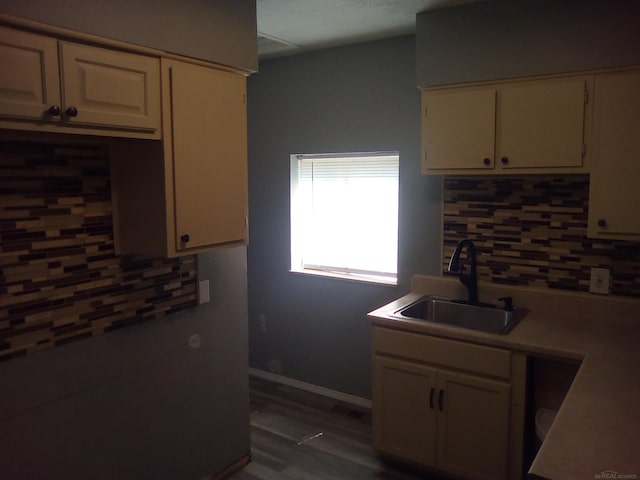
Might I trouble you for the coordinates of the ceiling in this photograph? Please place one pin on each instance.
(287, 27)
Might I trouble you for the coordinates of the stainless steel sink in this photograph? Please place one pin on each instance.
(446, 311)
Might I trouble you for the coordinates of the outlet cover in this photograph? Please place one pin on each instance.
(203, 292)
(600, 280)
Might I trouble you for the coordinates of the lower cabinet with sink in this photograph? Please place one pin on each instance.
(449, 405)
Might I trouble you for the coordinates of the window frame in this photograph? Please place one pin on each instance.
(296, 265)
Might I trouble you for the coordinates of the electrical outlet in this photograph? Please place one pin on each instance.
(600, 280)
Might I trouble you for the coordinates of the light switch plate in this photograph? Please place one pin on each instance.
(203, 292)
(600, 280)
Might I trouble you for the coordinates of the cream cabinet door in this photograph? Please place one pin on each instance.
(541, 123)
(473, 426)
(29, 78)
(404, 409)
(614, 194)
(110, 88)
(535, 126)
(458, 129)
(206, 136)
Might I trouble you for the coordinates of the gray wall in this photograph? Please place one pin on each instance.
(514, 38)
(140, 402)
(221, 31)
(355, 98)
(363, 97)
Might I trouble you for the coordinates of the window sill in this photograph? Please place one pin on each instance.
(390, 282)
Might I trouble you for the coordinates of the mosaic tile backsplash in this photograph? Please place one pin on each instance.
(533, 231)
(60, 279)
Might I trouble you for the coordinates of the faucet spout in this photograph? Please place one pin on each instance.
(469, 280)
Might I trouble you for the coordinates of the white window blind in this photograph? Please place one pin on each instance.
(345, 214)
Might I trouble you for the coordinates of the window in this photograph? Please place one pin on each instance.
(344, 215)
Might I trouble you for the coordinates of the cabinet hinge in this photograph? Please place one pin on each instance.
(244, 98)
(586, 95)
(584, 150)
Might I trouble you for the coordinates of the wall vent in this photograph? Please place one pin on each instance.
(269, 46)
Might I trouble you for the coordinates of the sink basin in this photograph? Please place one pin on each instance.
(446, 311)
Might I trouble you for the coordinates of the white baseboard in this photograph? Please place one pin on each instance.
(310, 387)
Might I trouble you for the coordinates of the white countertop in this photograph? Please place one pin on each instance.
(598, 426)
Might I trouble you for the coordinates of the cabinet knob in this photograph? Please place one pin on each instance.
(504, 160)
(602, 223)
(487, 161)
(185, 238)
(71, 112)
(54, 111)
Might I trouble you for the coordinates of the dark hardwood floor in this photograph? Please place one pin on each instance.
(300, 435)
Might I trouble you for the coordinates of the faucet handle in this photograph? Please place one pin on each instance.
(508, 303)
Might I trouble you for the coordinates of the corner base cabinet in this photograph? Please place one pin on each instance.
(445, 404)
(195, 195)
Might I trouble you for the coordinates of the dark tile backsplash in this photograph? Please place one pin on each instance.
(60, 279)
(533, 231)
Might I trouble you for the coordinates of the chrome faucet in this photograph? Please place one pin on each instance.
(469, 280)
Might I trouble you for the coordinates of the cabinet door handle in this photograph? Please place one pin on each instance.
(504, 160)
(440, 399)
(487, 161)
(71, 112)
(433, 390)
(185, 238)
(602, 223)
(54, 111)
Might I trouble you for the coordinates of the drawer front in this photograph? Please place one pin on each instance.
(439, 351)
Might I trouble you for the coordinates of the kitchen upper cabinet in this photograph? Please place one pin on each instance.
(458, 128)
(106, 87)
(195, 182)
(444, 404)
(208, 145)
(614, 195)
(29, 78)
(536, 126)
(54, 86)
